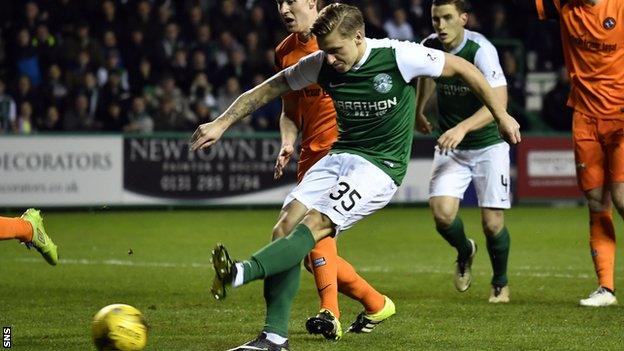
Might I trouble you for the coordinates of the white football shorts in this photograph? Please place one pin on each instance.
(487, 168)
(344, 187)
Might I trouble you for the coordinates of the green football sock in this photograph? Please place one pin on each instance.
(280, 255)
(498, 249)
(455, 236)
(279, 292)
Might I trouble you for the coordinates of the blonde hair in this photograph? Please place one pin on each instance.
(344, 18)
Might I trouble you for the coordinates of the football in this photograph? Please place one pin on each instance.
(119, 327)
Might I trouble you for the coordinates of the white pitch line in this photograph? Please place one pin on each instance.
(524, 271)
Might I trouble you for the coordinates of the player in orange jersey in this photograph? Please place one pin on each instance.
(29, 230)
(310, 111)
(592, 33)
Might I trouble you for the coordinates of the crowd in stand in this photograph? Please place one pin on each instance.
(164, 65)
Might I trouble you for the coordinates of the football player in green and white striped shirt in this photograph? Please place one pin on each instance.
(469, 148)
(369, 81)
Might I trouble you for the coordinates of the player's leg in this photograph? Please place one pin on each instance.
(377, 307)
(29, 229)
(15, 228)
(498, 242)
(450, 177)
(342, 205)
(491, 180)
(354, 198)
(602, 233)
(591, 165)
(281, 288)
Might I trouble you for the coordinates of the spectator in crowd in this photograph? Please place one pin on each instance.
(201, 93)
(113, 120)
(77, 119)
(236, 67)
(27, 93)
(90, 88)
(204, 43)
(194, 22)
(398, 27)
(555, 111)
(143, 19)
(26, 59)
(499, 26)
(181, 70)
(166, 89)
(80, 67)
(227, 44)
(419, 19)
(202, 112)
(373, 24)
(7, 110)
(109, 42)
(52, 121)
(83, 42)
(32, 15)
(170, 118)
(257, 24)
(225, 19)
(168, 46)
(108, 20)
(24, 121)
(112, 91)
(113, 63)
(144, 81)
(46, 47)
(54, 89)
(139, 120)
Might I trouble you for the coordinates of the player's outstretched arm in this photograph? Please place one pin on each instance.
(424, 90)
(457, 66)
(452, 137)
(209, 133)
(289, 133)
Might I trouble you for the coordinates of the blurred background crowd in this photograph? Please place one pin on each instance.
(163, 65)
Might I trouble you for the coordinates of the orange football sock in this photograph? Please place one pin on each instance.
(15, 228)
(602, 243)
(353, 285)
(324, 265)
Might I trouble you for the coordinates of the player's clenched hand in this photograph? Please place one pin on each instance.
(205, 135)
(282, 160)
(423, 125)
(451, 138)
(509, 129)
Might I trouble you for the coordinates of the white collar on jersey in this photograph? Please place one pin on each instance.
(367, 52)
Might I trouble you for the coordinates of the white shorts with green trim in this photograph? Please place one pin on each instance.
(487, 168)
(345, 188)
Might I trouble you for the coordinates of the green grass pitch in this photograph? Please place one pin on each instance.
(168, 275)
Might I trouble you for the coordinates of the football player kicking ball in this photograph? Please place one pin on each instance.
(369, 82)
(311, 112)
(469, 148)
(29, 230)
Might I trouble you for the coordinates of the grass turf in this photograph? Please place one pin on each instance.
(168, 275)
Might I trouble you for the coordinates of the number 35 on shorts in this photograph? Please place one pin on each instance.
(344, 197)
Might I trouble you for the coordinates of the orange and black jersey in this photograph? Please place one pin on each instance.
(593, 46)
(310, 108)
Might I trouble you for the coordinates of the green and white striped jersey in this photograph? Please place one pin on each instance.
(374, 101)
(456, 102)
